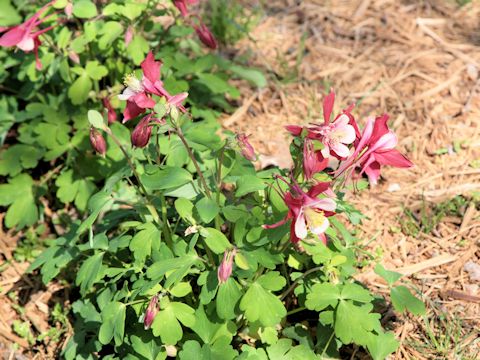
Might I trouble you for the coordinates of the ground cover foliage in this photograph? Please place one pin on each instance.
(175, 243)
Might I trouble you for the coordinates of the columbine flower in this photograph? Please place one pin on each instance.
(374, 149)
(205, 36)
(138, 92)
(182, 5)
(98, 141)
(111, 114)
(247, 150)
(307, 212)
(23, 36)
(225, 269)
(151, 312)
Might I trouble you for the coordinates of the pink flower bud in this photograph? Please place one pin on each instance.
(128, 35)
(206, 36)
(69, 9)
(111, 114)
(98, 141)
(150, 313)
(74, 57)
(182, 5)
(248, 152)
(142, 132)
(225, 269)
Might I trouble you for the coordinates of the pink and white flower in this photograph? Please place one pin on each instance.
(138, 92)
(376, 147)
(24, 37)
(307, 212)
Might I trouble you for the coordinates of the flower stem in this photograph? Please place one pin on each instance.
(150, 205)
(179, 132)
(294, 284)
(294, 311)
(166, 226)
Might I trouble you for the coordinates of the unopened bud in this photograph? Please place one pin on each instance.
(247, 150)
(225, 269)
(111, 114)
(128, 35)
(74, 57)
(98, 141)
(151, 312)
(206, 36)
(68, 9)
(171, 350)
(142, 132)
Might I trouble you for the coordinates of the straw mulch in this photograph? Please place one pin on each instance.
(420, 62)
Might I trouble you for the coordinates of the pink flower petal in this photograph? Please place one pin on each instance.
(301, 226)
(13, 36)
(328, 106)
(151, 68)
(341, 150)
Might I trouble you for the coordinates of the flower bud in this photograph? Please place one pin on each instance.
(111, 114)
(151, 312)
(225, 269)
(206, 36)
(68, 9)
(142, 132)
(74, 57)
(98, 141)
(247, 150)
(128, 35)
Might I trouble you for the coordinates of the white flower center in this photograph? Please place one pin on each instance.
(133, 83)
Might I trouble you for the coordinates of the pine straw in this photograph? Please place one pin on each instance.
(419, 61)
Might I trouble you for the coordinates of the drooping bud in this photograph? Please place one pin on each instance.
(72, 55)
(128, 35)
(142, 132)
(225, 269)
(151, 312)
(182, 6)
(247, 150)
(68, 9)
(111, 114)
(205, 36)
(98, 141)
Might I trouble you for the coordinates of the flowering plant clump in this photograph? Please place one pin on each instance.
(177, 246)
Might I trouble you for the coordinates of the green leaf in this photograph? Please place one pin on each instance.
(216, 240)
(214, 83)
(110, 31)
(322, 296)
(207, 209)
(272, 280)
(95, 70)
(8, 16)
(389, 276)
(84, 9)
(248, 184)
(137, 48)
(354, 323)
(402, 299)
(18, 193)
(89, 272)
(227, 298)
(382, 345)
(113, 323)
(261, 305)
(167, 178)
(144, 241)
(182, 289)
(72, 189)
(78, 91)
(356, 292)
(167, 325)
(18, 157)
(184, 208)
(255, 77)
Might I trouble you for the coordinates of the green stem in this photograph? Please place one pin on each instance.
(144, 192)
(195, 163)
(166, 226)
(294, 311)
(294, 284)
(219, 184)
(328, 344)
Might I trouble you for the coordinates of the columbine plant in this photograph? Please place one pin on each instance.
(185, 249)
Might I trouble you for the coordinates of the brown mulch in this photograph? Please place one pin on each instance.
(420, 62)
